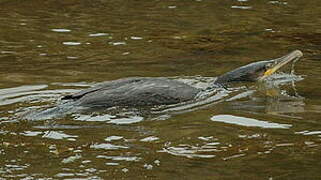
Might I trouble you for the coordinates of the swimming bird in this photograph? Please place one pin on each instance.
(152, 91)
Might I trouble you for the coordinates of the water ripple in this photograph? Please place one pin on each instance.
(191, 151)
(149, 139)
(110, 118)
(59, 135)
(70, 43)
(61, 30)
(113, 138)
(117, 43)
(107, 146)
(248, 122)
(241, 7)
(119, 158)
(98, 34)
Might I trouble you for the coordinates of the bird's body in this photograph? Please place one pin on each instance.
(136, 91)
(147, 91)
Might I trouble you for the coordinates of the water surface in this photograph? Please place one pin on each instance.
(256, 131)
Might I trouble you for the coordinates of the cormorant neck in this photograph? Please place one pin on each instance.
(222, 79)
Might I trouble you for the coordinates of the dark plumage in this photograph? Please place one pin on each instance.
(137, 91)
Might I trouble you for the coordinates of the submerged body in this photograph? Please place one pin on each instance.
(144, 91)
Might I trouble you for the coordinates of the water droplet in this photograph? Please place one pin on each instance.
(125, 170)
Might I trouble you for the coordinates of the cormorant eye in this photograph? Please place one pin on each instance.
(268, 66)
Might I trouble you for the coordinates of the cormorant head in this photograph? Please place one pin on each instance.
(258, 71)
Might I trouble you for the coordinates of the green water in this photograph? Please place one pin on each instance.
(52, 48)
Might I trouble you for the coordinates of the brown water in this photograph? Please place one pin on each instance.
(52, 48)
